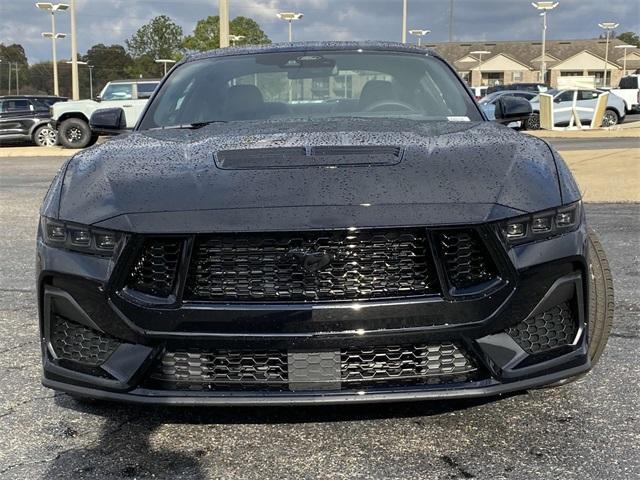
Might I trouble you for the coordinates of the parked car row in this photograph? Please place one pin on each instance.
(49, 120)
(562, 103)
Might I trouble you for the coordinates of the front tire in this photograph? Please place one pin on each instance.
(45, 136)
(610, 118)
(600, 298)
(75, 133)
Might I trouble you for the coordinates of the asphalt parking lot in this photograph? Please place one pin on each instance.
(586, 430)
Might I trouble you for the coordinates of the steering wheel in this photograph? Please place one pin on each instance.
(389, 103)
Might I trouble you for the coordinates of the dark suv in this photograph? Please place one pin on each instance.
(26, 118)
(316, 222)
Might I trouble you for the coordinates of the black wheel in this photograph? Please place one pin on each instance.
(75, 133)
(45, 136)
(600, 298)
(533, 122)
(610, 118)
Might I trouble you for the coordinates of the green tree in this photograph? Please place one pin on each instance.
(13, 54)
(630, 38)
(160, 38)
(206, 34)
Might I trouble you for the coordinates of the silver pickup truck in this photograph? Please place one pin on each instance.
(71, 119)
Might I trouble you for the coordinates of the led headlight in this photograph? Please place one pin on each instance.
(79, 237)
(541, 225)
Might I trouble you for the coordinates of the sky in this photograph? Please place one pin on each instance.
(112, 21)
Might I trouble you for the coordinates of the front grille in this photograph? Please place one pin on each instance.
(154, 272)
(72, 341)
(466, 259)
(311, 266)
(553, 328)
(223, 369)
(279, 370)
(430, 364)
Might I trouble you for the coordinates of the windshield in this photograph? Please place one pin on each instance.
(310, 85)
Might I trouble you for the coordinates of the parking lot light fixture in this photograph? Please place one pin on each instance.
(624, 59)
(419, 34)
(53, 8)
(236, 38)
(544, 7)
(165, 61)
(290, 17)
(480, 53)
(607, 27)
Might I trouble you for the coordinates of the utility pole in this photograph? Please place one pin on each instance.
(223, 6)
(450, 20)
(404, 21)
(75, 86)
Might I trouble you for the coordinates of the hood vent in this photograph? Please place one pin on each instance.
(317, 156)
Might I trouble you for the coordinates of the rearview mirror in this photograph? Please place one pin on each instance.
(512, 109)
(108, 121)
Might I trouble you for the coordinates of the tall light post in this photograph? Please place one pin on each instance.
(75, 85)
(544, 7)
(90, 67)
(223, 14)
(404, 21)
(450, 21)
(236, 38)
(624, 59)
(419, 34)
(165, 61)
(290, 17)
(480, 53)
(53, 8)
(607, 26)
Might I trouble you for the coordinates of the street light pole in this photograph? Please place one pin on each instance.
(450, 21)
(624, 59)
(419, 34)
(53, 8)
(165, 61)
(544, 7)
(75, 85)
(223, 6)
(235, 39)
(404, 21)
(290, 17)
(607, 26)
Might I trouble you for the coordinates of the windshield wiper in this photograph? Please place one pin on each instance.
(191, 126)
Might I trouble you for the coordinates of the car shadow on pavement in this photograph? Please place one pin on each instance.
(124, 448)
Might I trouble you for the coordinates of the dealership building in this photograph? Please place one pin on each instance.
(515, 62)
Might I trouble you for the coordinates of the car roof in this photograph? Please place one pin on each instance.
(306, 46)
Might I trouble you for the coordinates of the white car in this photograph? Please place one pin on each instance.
(563, 100)
(71, 119)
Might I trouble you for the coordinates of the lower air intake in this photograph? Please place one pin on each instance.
(75, 342)
(554, 328)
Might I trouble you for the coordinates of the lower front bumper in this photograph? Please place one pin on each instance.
(154, 397)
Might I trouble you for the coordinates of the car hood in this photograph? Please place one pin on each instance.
(174, 181)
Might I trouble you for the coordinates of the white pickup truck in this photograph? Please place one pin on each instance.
(629, 91)
(71, 120)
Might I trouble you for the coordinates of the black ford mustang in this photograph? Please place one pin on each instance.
(311, 223)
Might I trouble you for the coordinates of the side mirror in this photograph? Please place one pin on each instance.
(108, 121)
(98, 98)
(512, 109)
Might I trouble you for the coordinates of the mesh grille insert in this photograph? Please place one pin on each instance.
(154, 273)
(311, 266)
(466, 258)
(72, 341)
(556, 327)
(433, 364)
